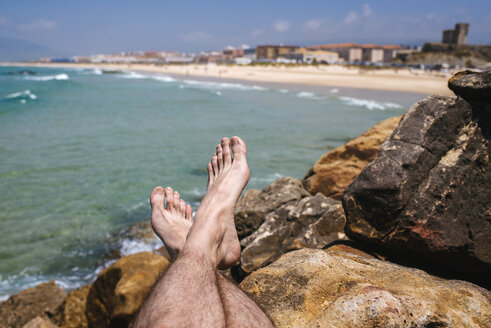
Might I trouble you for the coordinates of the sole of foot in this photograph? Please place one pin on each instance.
(171, 219)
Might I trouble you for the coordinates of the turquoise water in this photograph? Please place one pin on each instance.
(80, 152)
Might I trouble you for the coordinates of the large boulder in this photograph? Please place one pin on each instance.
(39, 322)
(253, 206)
(333, 288)
(472, 85)
(73, 311)
(41, 301)
(335, 170)
(427, 193)
(312, 222)
(119, 290)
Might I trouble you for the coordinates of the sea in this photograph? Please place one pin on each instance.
(81, 150)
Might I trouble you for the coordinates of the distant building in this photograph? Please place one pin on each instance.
(390, 52)
(372, 53)
(274, 51)
(210, 57)
(304, 55)
(456, 36)
(350, 52)
(230, 53)
(250, 53)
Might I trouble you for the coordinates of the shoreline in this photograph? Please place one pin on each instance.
(400, 80)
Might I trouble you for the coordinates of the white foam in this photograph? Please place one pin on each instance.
(369, 104)
(221, 85)
(283, 91)
(269, 178)
(58, 77)
(218, 93)
(309, 95)
(97, 71)
(162, 78)
(334, 91)
(132, 246)
(135, 75)
(22, 95)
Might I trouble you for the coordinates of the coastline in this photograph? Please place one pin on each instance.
(400, 80)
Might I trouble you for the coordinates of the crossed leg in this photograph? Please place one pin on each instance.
(192, 293)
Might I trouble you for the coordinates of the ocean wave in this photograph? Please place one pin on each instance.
(26, 94)
(222, 85)
(283, 91)
(135, 75)
(58, 77)
(132, 246)
(369, 104)
(23, 280)
(334, 91)
(97, 71)
(22, 96)
(269, 178)
(309, 95)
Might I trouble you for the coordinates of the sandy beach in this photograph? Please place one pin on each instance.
(404, 80)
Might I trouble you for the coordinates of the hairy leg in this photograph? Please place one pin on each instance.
(187, 295)
(192, 292)
(240, 310)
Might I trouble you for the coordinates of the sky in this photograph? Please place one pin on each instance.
(89, 27)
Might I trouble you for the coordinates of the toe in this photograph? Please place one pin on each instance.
(238, 148)
(169, 197)
(219, 157)
(227, 159)
(189, 212)
(157, 198)
(177, 200)
(214, 164)
(182, 208)
(211, 175)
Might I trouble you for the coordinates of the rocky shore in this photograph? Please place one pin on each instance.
(391, 229)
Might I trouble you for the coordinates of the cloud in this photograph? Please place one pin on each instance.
(257, 33)
(314, 24)
(4, 21)
(352, 16)
(430, 16)
(38, 25)
(282, 25)
(196, 37)
(366, 10)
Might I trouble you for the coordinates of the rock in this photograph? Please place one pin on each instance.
(311, 222)
(39, 322)
(318, 288)
(41, 300)
(75, 307)
(427, 193)
(335, 170)
(119, 290)
(472, 85)
(254, 204)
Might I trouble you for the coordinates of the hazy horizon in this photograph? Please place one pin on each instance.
(58, 28)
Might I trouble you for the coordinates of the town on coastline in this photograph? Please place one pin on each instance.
(452, 53)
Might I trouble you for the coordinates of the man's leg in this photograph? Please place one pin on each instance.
(240, 310)
(212, 239)
(187, 295)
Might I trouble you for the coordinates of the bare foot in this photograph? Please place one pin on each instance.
(214, 225)
(173, 222)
